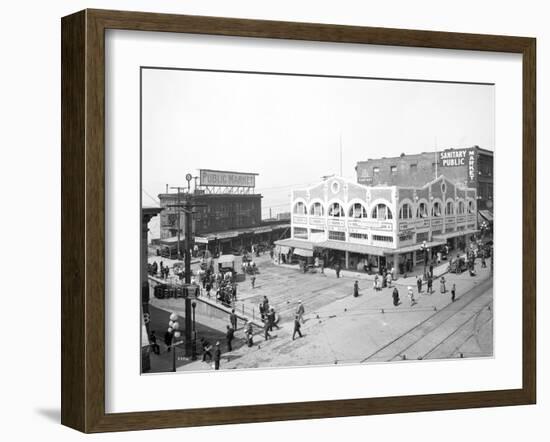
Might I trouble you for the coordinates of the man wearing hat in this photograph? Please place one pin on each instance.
(300, 311)
(217, 356)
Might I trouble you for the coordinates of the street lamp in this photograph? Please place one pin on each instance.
(173, 325)
(194, 349)
(424, 248)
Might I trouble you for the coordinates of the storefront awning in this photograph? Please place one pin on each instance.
(415, 247)
(486, 214)
(290, 242)
(446, 236)
(363, 249)
(303, 252)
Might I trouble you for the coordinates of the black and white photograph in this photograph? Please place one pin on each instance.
(294, 220)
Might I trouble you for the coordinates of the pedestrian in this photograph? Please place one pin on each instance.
(266, 329)
(355, 289)
(375, 284)
(168, 337)
(453, 292)
(271, 253)
(395, 296)
(338, 269)
(296, 327)
(430, 283)
(262, 311)
(153, 343)
(410, 294)
(233, 319)
(217, 356)
(438, 258)
(419, 284)
(253, 280)
(248, 332)
(322, 264)
(431, 269)
(388, 279)
(273, 320)
(265, 303)
(229, 335)
(206, 347)
(300, 311)
(442, 286)
(234, 291)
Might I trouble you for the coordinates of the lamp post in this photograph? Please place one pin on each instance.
(424, 248)
(174, 326)
(194, 348)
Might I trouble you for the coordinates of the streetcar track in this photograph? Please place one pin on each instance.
(459, 328)
(419, 325)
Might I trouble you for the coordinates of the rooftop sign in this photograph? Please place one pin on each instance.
(221, 178)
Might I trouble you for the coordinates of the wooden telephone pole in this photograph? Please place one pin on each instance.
(187, 207)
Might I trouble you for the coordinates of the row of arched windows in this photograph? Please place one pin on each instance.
(336, 210)
(451, 208)
(382, 211)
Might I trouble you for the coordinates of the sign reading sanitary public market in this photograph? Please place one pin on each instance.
(221, 178)
(453, 158)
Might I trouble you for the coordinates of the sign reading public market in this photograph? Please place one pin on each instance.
(223, 178)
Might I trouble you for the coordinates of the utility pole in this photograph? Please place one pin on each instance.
(187, 208)
(178, 206)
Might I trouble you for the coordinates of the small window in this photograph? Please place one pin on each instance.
(382, 238)
(336, 236)
(357, 211)
(375, 170)
(436, 209)
(300, 232)
(405, 212)
(414, 167)
(393, 170)
(363, 236)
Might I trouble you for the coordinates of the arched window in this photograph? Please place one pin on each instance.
(317, 209)
(436, 209)
(335, 209)
(450, 208)
(470, 207)
(357, 210)
(460, 210)
(405, 212)
(381, 211)
(422, 211)
(300, 208)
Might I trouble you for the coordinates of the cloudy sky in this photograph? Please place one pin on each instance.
(289, 129)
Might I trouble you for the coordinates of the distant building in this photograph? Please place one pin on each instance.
(380, 226)
(469, 167)
(228, 216)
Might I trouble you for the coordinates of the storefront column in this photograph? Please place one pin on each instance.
(347, 259)
(396, 262)
(414, 258)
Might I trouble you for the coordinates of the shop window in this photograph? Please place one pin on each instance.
(436, 209)
(300, 208)
(382, 238)
(336, 210)
(381, 211)
(413, 168)
(300, 233)
(337, 236)
(393, 170)
(375, 171)
(422, 211)
(421, 237)
(317, 209)
(357, 211)
(450, 208)
(363, 236)
(405, 212)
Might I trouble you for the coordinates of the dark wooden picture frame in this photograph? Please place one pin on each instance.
(83, 220)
